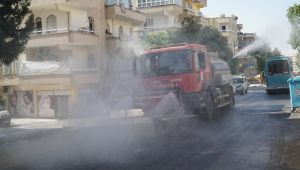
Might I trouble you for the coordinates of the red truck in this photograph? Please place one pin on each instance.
(199, 81)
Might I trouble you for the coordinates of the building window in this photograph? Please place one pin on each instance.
(38, 25)
(149, 22)
(91, 24)
(92, 63)
(51, 23)
(223, 28)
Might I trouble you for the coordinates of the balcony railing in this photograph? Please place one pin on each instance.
(159, 3)
(39, 68)
(162, 27)
(29, 68)
(118, 37)
(125, 3)
(61, 30)
(12, 69)
(63, 36)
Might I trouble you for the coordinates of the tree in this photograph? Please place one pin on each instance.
(294, 18)
(157, 39)
(262, 55)
(193, 32)
(293, 15)
(16, 23)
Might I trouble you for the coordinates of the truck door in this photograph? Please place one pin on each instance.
(200, 63)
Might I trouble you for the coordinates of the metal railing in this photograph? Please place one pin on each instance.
(125, 3)
(61, 30)
(158, 27)
(19, 68)
(154, 3)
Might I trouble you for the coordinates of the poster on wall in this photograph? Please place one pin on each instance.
(46, 107)
(25, 103)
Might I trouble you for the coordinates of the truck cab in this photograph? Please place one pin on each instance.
(187, 72)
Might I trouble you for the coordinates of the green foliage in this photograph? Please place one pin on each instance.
(262, 55)
(193, 32)
(233, 64)
(293, 15)
(158, 39)
(16, 23)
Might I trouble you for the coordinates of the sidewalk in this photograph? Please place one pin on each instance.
(290, 159)
(22, 128)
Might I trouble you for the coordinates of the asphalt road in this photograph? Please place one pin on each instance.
(250, 136)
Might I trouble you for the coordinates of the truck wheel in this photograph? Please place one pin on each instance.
(209, 109)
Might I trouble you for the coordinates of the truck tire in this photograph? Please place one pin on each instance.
(209, 108)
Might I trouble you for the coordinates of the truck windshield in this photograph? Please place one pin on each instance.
(278, 67)
(166, 63)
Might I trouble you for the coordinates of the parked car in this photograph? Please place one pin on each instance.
(240, 84)
(5, 117)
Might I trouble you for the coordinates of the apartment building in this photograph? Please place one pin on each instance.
(245, 39)
(162, 15)
(122, 17)
(248, 63)
(62, 63)
(228, 27)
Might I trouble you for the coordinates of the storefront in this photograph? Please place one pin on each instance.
(40, 103)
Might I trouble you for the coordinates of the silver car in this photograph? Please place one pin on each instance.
(240, 84)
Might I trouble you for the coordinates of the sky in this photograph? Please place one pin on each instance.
(266, 18)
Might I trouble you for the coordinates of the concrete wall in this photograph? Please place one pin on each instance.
(78, 19)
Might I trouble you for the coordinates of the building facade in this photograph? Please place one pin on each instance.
(162, 15)
(249, 64)
(62, 63)
(245, 39)
(228, 27)
(122, 17)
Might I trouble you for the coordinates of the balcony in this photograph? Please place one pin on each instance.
(157, 28)
(157, 3)
(125, 14)
(171, 8)
(64, 36)
(62, 4)
(46, 72)
(197, 4)
(10, 74)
